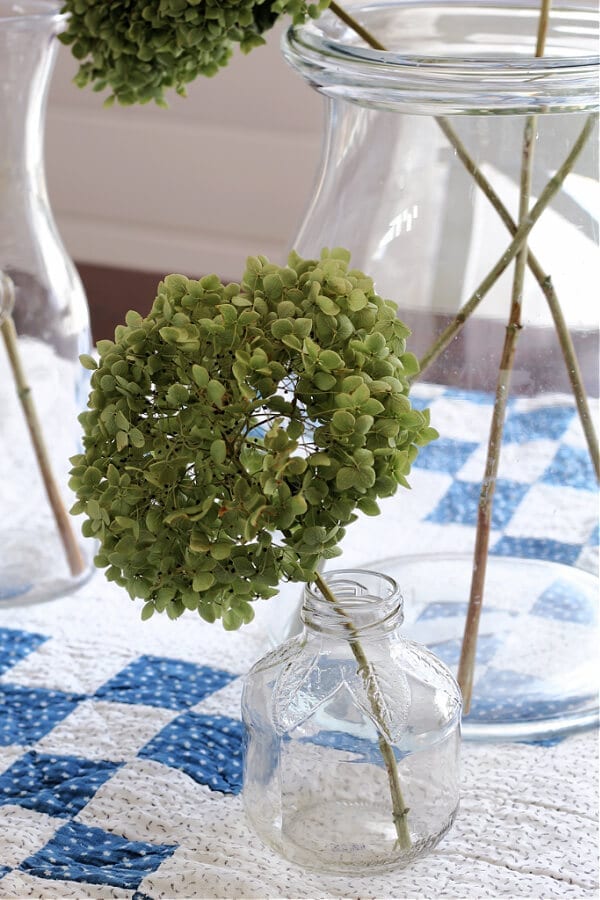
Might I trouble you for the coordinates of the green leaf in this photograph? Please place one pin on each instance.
(330, 360)
(218, 451)
(368, 506)
(200, 375)
(177, 395)
(203, 581)
(215, 392)
(343, 421)
(345, 478)
(88, 362)
(410, 364)
(122, 440)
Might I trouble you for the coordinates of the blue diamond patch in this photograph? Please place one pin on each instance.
(82, 853)
(207, 748)
(16, 645)
(563, 602)
(537, 548)
(28, 714)
(169, 683)
(571, 467)
(441, 610)
(55, 785)
(445, 455)
(460, 503)
(547, 422)
(449, 651)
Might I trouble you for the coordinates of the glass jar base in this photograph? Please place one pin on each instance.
(536, 673)
(345, 850)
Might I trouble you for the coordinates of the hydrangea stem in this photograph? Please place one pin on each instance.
(399, 809)
(544, 280)
(63, 522)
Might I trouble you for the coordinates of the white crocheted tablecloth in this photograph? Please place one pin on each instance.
(102, 794)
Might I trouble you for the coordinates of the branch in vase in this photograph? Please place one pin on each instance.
(545, 282)
(63, 522)
(521, 234)
(466, 668)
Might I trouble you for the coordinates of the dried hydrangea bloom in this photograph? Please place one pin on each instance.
(235, 431)
(138, 49)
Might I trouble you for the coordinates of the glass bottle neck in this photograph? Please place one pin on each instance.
(352, 603)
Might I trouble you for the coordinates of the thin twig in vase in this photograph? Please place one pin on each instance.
(63, 521)
(544, 280)
(521, 235)
(399, 809)
(466, 668)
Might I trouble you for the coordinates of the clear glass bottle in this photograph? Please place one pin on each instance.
(45, 326)
(352, 735)
(408, 132)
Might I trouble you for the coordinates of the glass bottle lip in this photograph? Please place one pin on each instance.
(463, 76)
(369, 603)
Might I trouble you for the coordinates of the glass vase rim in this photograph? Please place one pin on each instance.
(502, 81)
(34, 11)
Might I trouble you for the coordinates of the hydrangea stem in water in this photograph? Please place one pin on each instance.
(399, 809)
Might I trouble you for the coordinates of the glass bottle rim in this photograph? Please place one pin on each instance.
(377, 610)
(335, 61)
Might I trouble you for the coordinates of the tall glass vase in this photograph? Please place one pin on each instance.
(469, 135)
(44, 327)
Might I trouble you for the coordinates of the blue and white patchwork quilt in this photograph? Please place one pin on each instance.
(121, 741)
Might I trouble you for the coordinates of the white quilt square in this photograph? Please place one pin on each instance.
(543, 648)
(19, 885)
(23, 832)
(460, 419)
(102, 730)
(74, 666)
(524, 463)
(148, 801)
(556, 513)
(7, 757)
(226, 702)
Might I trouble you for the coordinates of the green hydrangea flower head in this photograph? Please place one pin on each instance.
(137, 49)
(236, 431)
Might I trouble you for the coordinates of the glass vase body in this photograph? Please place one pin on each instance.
(404, 131)
(48, 308)
(320, 713)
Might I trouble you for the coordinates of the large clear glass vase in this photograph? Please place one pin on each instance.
(45, 326)
(424, 179)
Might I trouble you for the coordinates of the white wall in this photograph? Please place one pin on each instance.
(194, 188)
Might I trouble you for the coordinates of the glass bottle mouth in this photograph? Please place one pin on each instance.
(366, 603)
(454, 56)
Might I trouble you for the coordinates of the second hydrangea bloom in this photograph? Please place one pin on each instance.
(136, 50)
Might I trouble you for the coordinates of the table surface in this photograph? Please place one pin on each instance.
(104, 791)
